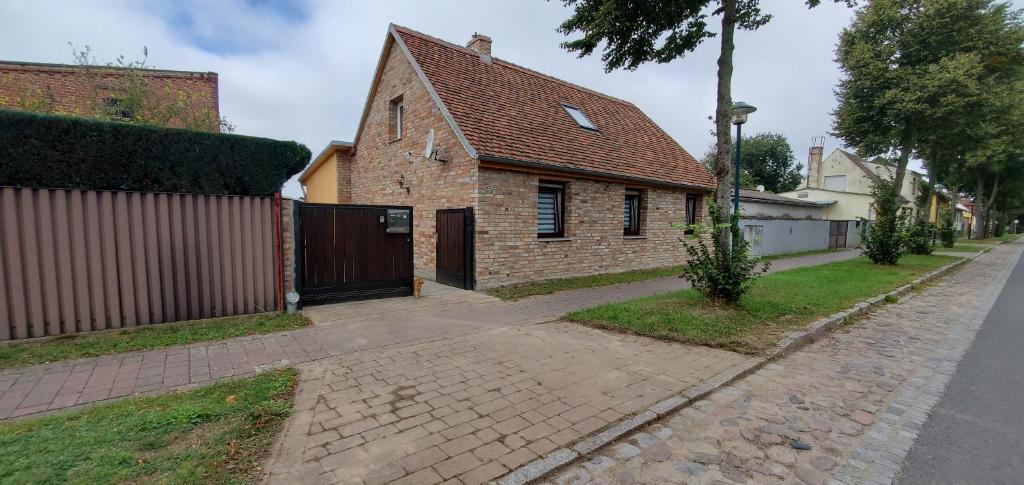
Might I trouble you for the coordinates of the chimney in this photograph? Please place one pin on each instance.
(480, 43)
(814, 162)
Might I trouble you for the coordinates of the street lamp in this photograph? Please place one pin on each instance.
(740, 111)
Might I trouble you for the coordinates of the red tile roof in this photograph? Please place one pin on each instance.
(509, 112)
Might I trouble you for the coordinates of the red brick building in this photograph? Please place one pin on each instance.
(562, 180)
(78, 90)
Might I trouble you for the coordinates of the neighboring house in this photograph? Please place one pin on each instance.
(847, 179)
(776, 224)
(80, 90)
(941, 199)
(562, 180)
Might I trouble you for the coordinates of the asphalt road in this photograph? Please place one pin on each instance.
(976, 432)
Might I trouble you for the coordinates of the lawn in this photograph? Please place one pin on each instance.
(145, 338)
(216, 434)
(546, 287)
(514, 292)
(777, 303)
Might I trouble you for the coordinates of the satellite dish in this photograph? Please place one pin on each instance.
(429, 149)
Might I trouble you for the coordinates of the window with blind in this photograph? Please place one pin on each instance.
(550, 210)
(692, 209)
(631, 214)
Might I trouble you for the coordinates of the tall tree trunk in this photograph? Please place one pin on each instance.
(901, 164)
(932, 167)
(723, 116)
(980, 209)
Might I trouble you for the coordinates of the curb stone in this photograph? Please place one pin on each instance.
(793, 341)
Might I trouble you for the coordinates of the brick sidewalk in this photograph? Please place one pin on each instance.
(856, 399)
(477, 406)
(341, 329)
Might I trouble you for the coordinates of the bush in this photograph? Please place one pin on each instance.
(947, 232)
(716, 273)
(885, 239)
(39, 150)
(919, 238)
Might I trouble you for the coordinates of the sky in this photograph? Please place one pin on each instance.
(301, 69)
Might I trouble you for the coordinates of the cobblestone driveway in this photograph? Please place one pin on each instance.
(855, 400)
(477, 406)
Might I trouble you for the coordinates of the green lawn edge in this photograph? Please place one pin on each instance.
(555, 285)
(74, 346)
(215, 434)
(776, 304)
(547, 287)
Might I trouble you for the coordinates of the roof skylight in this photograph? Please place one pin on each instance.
(580, 118)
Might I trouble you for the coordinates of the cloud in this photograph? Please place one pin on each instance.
(301, 69)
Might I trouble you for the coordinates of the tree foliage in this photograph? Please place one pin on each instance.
(927, 77)
(765, 159)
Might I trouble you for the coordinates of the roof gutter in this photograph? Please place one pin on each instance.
(798, 203)
(592, 173)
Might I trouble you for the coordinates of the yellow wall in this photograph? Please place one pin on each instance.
(322, 184)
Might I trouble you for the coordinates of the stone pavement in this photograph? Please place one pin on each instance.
(843, 410)
(339, 329)
(474, 407)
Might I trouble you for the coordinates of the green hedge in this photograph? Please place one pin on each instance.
(38, 150)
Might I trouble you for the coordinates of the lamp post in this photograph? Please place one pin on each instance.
(740, 111)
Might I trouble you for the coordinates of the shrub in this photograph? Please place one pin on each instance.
(41, 150)
(919, 238)
(947, 232)
(885, 238)
(716, 273)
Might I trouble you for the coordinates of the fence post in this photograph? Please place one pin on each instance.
(278, 251)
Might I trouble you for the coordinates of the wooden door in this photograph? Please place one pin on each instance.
(455, 247)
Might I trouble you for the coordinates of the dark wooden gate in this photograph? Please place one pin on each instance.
(455, 247)
(837, 234)
(352, 252)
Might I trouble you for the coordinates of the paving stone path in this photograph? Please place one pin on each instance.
(472, 408)
(340, 329)
(843, 410)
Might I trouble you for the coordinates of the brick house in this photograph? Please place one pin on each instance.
(562, 180)
(79, 90)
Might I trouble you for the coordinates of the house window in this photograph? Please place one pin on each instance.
(692, 208)
(835, 182)
(550, 210)
(631, 214)
(580, 118)
(396, 115)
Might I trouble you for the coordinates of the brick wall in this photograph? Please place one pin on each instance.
(344, 174)
(72, 90)
(508, 250)
(395, 172)
(288, 243)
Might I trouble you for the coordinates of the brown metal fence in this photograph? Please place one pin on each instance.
(81, 260)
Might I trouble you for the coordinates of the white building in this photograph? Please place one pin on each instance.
(847, 179)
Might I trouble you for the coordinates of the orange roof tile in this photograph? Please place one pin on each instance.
(509, 112)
